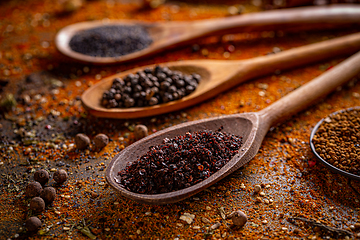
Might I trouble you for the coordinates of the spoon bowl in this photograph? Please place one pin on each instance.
(323, 161)
(219, 75)
(251, 126)
(172, 34)
(64, 37)
(244, 125)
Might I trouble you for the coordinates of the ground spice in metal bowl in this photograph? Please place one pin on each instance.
(180, 162)
(337, 140)
(149, 87)
(110, 41)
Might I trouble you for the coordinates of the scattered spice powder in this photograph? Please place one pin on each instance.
(86, 206)
(337, 140)
(110, 41)
(180, 162)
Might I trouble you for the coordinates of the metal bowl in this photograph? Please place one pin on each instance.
(327, 164)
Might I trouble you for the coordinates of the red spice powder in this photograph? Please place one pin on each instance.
(38, 125)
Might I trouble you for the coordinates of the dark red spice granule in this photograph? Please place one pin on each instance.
(180, 162)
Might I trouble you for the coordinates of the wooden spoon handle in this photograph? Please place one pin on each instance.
(282, 19)
(298, 56)
(306, 95)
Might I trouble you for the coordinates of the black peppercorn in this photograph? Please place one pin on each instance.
(117, 96)
(137, 88)
(164, 85)
(147, 70)
(60, 176)
(37, 204)
(33, 224)
(196, 77)
(129, 102)
(33, 189)
(48, 194)
(41, 176)
(119, 81)
(161, 76)
(172, 89)
(113, 103)
(180, 83)
(153, 101)
(189, 89)
(141, 89)
(175, 95)
(167, 97)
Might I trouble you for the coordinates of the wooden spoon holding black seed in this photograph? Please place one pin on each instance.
(171, 34)
(251, 126)
(219, 75)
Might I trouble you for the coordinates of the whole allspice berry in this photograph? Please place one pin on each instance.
(140, 131)
(41, 176)
(101, 140)
(82, 141)
(48, 194)
(60, 176)
(238, 218)
(33, 224)
(33, 189)
(37, 204)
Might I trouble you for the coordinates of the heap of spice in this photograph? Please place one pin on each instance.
(337, 140)
(149, 87)
(40, 197)
(180, 162)
(110, 41)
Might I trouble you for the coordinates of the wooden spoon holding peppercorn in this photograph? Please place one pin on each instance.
(172, 34)
(219, 75)
(251, 126)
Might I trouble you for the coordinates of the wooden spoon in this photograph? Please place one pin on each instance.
(171, 34)
(220, 75)
(251, 126)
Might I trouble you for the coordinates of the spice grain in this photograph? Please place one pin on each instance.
(281, 162)
(337, 140)
(41, 176)
(82, 141)
(149, 87)
(180, 162)
(37, 204)
(140, 131)
(60, 176)
(110, 41)
(238, 218)
(48, 194)
(33, 224)
(33, 189)
(101, 140)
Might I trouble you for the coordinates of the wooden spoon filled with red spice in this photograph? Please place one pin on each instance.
(252, 127)
(78, 41)
(218, 76)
